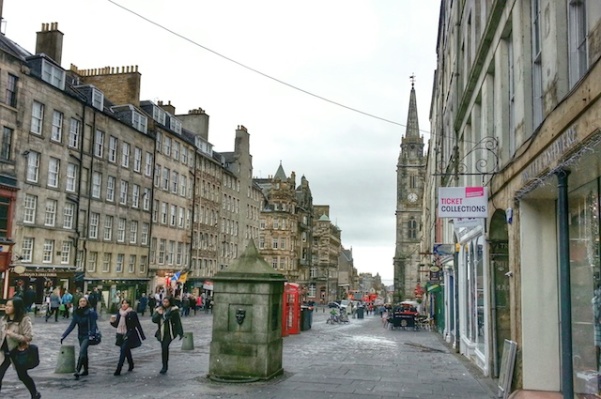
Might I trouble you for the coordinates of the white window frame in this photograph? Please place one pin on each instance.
(74, 133)
(97, 99)
(96, 184)
(131, 266)
(27, 246)
(99, 143)
(66, 252)
(110, 188)
(577, 40)
(94, 218)
(47, 251)
(71, 182)
(124, 187)
(50, 212)
(30, 205)
(37, 118)
(119, 264)
(133, 232)
(108, 227)
(125, 154)
(144, 233)
(33, 166)
(57, 126)
(146, 199)
(54, 165)
(121, 226)
(137, 159)
(148, 163)
(112, 150)
(92, 260)
(53, 74)
(135, 196)
(106, 262)
(68, 213)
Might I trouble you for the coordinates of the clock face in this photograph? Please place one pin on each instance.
(412, 197)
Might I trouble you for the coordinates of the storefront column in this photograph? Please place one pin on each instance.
(565, 295)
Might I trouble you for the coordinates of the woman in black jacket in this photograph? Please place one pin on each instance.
(129, 334)
(169, 326)
(84, 317)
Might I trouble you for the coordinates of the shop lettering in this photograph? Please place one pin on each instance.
(550, 155)
(463, 208)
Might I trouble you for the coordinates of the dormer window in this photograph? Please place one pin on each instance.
(97, 99)
(139, 121)
(175, 125)
(159, 115)
(53, 74)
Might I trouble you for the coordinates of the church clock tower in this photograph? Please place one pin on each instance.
(411, 168)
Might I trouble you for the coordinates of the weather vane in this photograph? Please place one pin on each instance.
(412, 77)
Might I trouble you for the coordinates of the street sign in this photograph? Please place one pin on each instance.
(462, 202)
(443, 249)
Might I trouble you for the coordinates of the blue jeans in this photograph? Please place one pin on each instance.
(84, 342)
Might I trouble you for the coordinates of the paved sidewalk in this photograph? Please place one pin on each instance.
(351, 361)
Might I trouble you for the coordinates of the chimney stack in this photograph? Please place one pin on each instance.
(50, 41)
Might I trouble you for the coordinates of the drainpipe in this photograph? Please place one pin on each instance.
(565, 310)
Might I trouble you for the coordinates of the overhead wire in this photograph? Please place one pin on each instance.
(181, 36)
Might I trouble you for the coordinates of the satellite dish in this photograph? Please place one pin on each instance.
(19, 269)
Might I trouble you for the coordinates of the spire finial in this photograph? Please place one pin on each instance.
(412, 77)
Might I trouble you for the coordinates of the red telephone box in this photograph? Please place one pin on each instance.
(291, 309)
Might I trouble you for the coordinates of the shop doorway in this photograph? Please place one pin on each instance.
(499, 263)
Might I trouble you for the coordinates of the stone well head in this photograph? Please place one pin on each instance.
(247, 329)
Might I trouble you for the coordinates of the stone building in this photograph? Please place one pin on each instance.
(241, 202)
(278, 225)
(515, 110)
(208, 178)
(410, 187)
(304, 216)
(326, 252)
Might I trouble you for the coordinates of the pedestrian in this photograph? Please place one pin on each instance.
(142, 304)
(152, 304)
(67, 301)
(129, 334)
(29, 298)
(169, 323)
(84, 317)
(16, 331)
(54, 304)
(94, 298)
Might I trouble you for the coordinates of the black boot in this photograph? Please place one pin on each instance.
(118, 371)
(131, 366)
(77, 369)
(85, 366)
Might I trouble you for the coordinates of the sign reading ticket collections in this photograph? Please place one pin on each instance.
(462, 202)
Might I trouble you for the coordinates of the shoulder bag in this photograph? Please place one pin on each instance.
(94, 338)
(25, 356)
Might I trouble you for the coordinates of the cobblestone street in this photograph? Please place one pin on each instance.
(360, 359)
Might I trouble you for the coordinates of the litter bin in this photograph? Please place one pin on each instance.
(360, 311)
(306, 316)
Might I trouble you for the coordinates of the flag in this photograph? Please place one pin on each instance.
(175, 276)
(182, 278)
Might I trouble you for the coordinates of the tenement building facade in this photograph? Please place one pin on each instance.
(516, 111)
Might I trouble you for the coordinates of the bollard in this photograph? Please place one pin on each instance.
(66, 360)
(188, 342)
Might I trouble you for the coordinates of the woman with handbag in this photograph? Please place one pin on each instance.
(129, 334)
(15, 334)
(84, 318)
(169, 326)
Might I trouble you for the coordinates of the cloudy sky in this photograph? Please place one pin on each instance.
(321, 85)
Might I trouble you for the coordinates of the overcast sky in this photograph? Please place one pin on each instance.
(358, 53)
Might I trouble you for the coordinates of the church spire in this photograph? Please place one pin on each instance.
(412, 122)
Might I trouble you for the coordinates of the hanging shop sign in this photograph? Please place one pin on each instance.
(443, 249)
(462, 202)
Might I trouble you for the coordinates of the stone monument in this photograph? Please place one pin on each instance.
(247, 327)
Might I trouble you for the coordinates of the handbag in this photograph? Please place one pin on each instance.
(94, 338)
(27, 358)
(120, 338)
